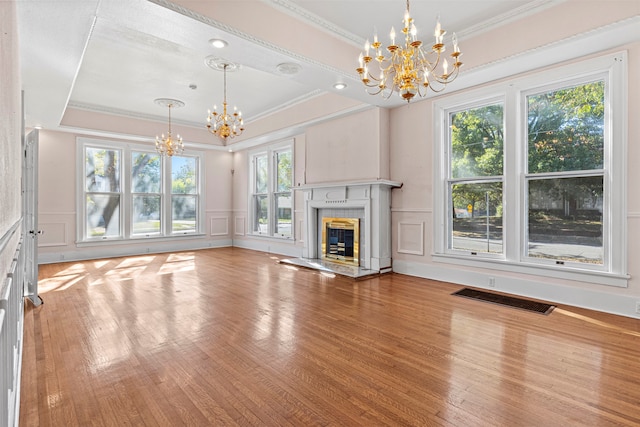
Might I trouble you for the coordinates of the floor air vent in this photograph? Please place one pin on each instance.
(523, 304)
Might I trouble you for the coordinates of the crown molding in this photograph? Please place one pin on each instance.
(528, 9)
(314, 20)
(250, 38)
(155, 118)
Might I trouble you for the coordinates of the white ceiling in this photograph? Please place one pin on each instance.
(118, 56)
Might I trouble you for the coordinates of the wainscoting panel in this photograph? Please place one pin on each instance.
(300, 230)
(239, 226)
(411, 238)
(53, 234)
(219, 226)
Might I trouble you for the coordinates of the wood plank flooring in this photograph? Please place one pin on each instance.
(230, 337)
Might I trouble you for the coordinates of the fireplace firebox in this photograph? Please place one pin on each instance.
(340, 240)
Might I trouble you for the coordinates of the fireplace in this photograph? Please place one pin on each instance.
(367, 204)
(341, 240)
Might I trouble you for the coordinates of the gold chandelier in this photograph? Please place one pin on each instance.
(409, 69)
(225, 125)
(169, 145)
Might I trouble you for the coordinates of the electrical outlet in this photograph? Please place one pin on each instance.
(638, 307)
(492, 282)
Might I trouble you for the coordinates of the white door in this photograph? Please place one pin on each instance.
(30, 214)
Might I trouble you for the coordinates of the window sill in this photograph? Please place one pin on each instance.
(266, 236)
(140, 239)
(558, 272)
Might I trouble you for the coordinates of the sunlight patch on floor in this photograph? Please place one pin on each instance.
(596, 322)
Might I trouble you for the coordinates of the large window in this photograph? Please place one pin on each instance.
(565, 173)
(146, 193)
(271, 198)
(476, 178)
(533, 174)
(134, 193)
(102, 195)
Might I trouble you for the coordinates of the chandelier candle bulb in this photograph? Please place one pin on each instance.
(408, 68)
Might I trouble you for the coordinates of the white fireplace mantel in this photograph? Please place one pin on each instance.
(372, 196)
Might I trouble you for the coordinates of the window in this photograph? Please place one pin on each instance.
(133, 193)
(146, 193)
(565, 173)
(271, 196)
(476, 177)
(102, 192)
(533, 174)
(184, 194)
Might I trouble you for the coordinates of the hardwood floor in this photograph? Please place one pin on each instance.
(231, 337)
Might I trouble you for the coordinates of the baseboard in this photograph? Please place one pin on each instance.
(541, 288)
(286, 248)
(127, 250)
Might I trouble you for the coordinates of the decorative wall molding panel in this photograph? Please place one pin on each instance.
(411, 238)
(53, 234)
(239, 229)
(219, 226)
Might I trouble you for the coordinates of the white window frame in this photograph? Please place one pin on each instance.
(611, 68)
(485, 101)
(270, 151)
(126, 201)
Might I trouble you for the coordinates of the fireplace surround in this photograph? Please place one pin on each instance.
(367, 201)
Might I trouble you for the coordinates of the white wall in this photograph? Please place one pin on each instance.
(10, 137)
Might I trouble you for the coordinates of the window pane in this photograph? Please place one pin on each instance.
(260, 214)
(183, 175)
(103, 215)
(565, 219)
(283, 214)
(184, 209)
(261, 174)
(284, 171)
(145, 173)
(477, 142)
(146, 214)
(477, 219)
(566, 129)
(103, 170)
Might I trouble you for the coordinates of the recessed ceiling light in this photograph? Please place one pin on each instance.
(340, 86)
(218, 43)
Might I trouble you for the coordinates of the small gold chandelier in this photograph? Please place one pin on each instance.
(409, 70)
(225, 125)
(168, 145)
